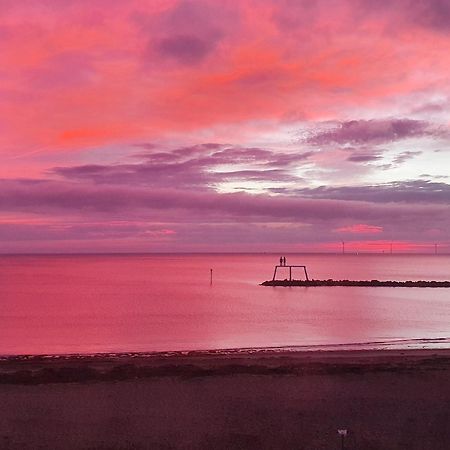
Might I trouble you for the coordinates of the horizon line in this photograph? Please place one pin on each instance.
(347, 253)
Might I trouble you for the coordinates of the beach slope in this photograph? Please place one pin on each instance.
(240, 400)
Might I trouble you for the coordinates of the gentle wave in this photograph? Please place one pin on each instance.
(396, 344)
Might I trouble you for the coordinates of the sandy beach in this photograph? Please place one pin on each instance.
(243, 400)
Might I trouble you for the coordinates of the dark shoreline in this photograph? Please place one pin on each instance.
(118, 367)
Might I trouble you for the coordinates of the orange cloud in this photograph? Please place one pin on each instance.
(267, 61)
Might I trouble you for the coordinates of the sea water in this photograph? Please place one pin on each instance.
(52, 304)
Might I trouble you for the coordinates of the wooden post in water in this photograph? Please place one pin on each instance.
(306, 273)
(290, 272)
(210, 277)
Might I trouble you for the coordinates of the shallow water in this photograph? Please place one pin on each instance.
(119, 303)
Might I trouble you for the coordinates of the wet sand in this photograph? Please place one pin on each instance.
(387, 399)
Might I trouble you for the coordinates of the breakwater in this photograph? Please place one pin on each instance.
(374, 283)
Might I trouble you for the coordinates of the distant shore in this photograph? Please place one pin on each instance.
(246, 400)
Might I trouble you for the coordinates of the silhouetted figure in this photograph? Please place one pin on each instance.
(281, 260)
(284, 260)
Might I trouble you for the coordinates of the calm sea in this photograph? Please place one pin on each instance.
(120, 303)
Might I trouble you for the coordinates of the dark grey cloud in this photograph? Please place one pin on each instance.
(364, 156)
(405, 156)
(185, 48)
(199, 166)
(256, 175)
(362, 132)
(433, 14)
(146, 145)
(88, 200)
(430, 14)
(434, 177)
(188, 32)
(414, 191)
(431, 108)
(103, 211)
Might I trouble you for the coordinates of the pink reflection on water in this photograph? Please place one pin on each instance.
(64, 304)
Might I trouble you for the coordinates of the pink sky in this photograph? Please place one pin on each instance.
(258, 125)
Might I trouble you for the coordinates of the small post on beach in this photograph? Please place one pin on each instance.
(342, 433)
(290, 273)
(210, 276)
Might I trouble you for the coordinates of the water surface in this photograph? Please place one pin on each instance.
(119, 303)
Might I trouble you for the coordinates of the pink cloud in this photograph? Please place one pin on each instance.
(382, 246)
(204, 85)
(116, 211)
(76, 75)
(360, 228)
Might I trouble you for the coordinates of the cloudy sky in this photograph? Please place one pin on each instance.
(250, 125)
